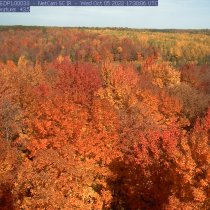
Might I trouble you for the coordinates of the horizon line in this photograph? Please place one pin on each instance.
(102, 27)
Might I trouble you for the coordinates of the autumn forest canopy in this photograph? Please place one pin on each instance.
(104, 119)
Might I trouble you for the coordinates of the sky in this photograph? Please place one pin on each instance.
(177, 14)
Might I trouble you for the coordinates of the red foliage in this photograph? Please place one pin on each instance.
(78, 81)
(95, 121)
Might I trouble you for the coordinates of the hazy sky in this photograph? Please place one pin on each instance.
(169, 14)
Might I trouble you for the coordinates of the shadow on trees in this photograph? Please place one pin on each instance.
(6, 198)
(136, 187)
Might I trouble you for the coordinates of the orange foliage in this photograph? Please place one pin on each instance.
(93, 119)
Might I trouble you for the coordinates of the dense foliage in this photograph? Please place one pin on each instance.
(104, 119)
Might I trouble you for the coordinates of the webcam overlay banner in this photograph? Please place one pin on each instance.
(24, 6)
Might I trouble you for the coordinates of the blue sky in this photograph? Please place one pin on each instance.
(189, 14)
